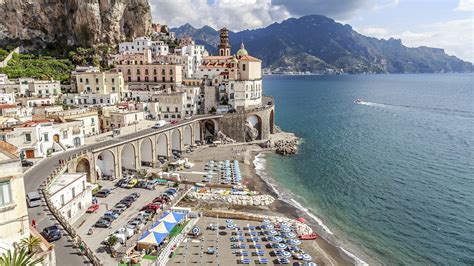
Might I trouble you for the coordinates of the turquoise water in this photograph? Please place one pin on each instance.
(393, 176)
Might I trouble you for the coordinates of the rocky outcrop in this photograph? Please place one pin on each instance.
(223, 138)
(286, 147)
(73, 22)
(251, 133)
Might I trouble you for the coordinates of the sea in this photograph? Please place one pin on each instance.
(390, 178)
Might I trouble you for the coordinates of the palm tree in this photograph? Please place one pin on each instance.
(30, 243)
(19, 257)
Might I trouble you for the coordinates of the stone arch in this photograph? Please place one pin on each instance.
(127, 156)
(197, 132)
(253, 128)
(162, 145)
(84, 166)
(210, 129)
(176, 138)
(272, 122)
(146, 152)
(188, 135)
(105, 164)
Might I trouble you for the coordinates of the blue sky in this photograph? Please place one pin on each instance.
(447, 24)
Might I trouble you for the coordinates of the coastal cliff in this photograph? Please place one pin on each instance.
(73, 22)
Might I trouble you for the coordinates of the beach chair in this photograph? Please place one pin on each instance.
(246, 261)
(263, 261)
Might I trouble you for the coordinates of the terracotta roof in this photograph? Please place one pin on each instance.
(7, 106)
(249, 58)
(33, 123)
(214, 57)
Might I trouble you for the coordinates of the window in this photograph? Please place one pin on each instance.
(243, 67)
(62, 199)
(113, 88)
(87, 81)
(97, 89)
(5, 193)
(28, 137)
(94, 101)
(64, 134)
(73, 191)
(96, 80)
(101, 100)
(80, 80)
(45, 137)
(176, 109)
(113, 80)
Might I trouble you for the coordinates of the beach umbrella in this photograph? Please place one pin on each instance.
(281, 246)
(230, 226)
(273, 232)
(266, 221)
(286, 254)
(283, 224)
(301, 220)
(196, 230)
(310, 264)
(229, 221)
(269, 226)
(306, 257)
(285, 229)
(294, 242)
(291, 235)
(277, 239)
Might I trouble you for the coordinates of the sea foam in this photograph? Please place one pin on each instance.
(260, 167)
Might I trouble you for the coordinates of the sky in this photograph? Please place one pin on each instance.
(447, 24)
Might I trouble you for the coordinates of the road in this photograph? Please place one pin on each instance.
(66, 254)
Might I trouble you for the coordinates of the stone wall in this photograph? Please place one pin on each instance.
(233, 125)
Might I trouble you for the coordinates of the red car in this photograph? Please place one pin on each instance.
(159, 199)
(151, 206)
(174, 122)
(93, 208)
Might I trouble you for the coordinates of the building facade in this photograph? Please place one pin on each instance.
(71, 194)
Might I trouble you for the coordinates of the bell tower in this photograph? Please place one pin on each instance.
(224, 46)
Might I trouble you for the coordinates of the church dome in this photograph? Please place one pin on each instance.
(242, 51)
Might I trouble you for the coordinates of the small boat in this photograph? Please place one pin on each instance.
(308, 236)
(358, 101)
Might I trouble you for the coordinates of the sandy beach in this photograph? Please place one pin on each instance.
(323, 250)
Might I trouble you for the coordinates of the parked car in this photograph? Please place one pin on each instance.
(33, 199)
(94, 207)
(141, 184)
(127, 203)
(152, 184)
(103, 193)
(130, 198)
(51, 233)
(173, 122)
(135, 223)
(26, 163)
(136, 195)
(121, 207)
(132, 183)
(103, 223)
(111, 214)
(122, 182)
(124, 231)
(151, 206)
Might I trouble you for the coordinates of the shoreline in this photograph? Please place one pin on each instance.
(256, 177)
(294, 209)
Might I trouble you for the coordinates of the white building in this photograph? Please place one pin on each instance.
(71, 194)
(84, 100)
(7, 98)
(44, 88)
(89, 118)
(14, 224)
(3, 78)
(38, 138)
(141, 43)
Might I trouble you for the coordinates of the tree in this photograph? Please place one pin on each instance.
(213, 110)
(19, 257)
(111, 241)
(30, 243)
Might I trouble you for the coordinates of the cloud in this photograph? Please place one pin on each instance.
(234, 14)
(455, 36)
(248, 14)
(465, 5)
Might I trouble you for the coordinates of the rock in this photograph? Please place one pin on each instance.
(74, 22)
(223, 138)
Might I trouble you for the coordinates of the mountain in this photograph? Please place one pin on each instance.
(73, 22)
(320, 45)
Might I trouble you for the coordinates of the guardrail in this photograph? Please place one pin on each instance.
(76, 239)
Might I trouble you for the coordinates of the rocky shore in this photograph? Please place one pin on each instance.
(283, 144)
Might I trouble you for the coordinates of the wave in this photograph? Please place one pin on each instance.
(284, 195)
(445, 111)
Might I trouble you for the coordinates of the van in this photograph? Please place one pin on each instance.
(159, 124)
(33, 199)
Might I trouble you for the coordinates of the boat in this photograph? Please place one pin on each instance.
(311, 236)
(358, 101)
